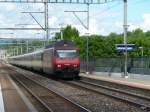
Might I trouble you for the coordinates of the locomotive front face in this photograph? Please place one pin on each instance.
(67, 60)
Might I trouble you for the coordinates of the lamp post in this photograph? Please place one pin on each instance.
(87, 44)
(87, 53)
(125, 39)
(61, 30)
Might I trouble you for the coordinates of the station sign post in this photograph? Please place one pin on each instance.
(125, 48)
(122, 47)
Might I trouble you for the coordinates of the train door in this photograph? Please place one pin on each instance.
(38, 61)
(47, 61)
(44, 61)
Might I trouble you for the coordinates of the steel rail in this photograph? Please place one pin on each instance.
(117, 90)
(110, 95)
(55, 92)
(78, 84)
(33, 94)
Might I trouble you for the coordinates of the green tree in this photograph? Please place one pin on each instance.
(69, 33)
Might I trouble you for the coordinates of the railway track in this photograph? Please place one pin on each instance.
(93, 98)
(50, 99)
(125, 96)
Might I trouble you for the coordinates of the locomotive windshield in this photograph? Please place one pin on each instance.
(66, 53)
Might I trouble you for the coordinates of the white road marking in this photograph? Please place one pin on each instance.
(1, 100)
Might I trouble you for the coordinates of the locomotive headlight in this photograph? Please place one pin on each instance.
(58, 66)
(75, 65)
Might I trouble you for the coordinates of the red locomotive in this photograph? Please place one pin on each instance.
(60, 59)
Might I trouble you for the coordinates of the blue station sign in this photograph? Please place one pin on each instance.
(122, 47)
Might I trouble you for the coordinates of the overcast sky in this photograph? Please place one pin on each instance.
(104, 18)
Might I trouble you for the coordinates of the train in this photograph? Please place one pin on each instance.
(60, 59)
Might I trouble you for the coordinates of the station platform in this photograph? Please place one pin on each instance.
(137, 83)
(11, 97)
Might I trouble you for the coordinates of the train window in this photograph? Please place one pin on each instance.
(66, 53)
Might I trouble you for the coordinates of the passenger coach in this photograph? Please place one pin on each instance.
(60, 59)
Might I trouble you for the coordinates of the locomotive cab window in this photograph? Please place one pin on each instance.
(66, 53)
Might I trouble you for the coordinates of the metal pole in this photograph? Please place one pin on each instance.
(27, 50)
(87, 43)
(44, 44)
(142, 60)
(21, 50)
(125, 39)
(141, 48)
(87, 55)
(12, 54)
(8, 53)
(88, 15)
(61, 33)
(17, 50)
(46, 21)
(34, 48)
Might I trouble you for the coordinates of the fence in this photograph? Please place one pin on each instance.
(136, 65)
